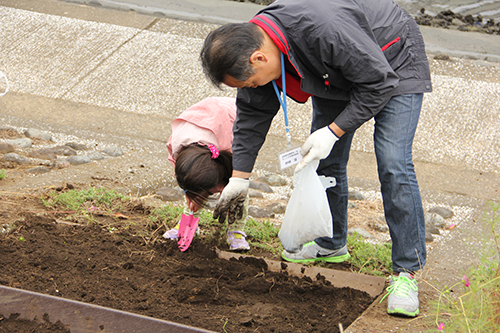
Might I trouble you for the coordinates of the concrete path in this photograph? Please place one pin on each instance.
(119, 76)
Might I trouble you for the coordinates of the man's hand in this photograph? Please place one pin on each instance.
(317, 146)
(232, 200)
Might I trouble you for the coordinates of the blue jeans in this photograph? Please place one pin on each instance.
(394, 131)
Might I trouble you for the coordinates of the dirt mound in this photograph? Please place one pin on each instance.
(123, 270)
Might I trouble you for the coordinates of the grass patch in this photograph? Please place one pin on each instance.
(89, 200)
(368, 258)
(477, 309)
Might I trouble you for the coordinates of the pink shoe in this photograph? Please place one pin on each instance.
(237, 241)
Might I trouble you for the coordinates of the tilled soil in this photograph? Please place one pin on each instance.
(43, 252)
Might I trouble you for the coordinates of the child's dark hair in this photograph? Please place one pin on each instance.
(197, 172)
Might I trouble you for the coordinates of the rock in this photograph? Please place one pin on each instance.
(356, 195)
(13, 157)
(351, 204)
(273, 180)
(170, 194)
(434, 219)
(429, 227)
(360, 231)
(259, 212)
(63, 150)
(255, 194)
(22, 143)
(44, 154)
(378, 225)
(428, 237)
(114, 151)
(442, 211)
(97, 156)
(38, 169)
(76, 146)
(211, 203)
(34, 133)
(277, 207)
(442, 56)
(6, 148)
(78, 160)
(61, 164)
(261, 186)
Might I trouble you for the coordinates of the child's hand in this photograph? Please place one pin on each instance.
(192, 206)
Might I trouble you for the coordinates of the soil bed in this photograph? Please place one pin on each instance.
(122, 270)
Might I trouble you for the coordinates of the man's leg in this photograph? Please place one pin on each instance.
(395, 128)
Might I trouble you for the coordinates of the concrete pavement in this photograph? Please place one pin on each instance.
(115, 76)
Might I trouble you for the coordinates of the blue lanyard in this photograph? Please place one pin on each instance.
(283, 100)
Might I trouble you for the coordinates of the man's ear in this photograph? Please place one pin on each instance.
(258, 57)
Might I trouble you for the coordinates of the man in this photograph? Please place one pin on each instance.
(357, 59)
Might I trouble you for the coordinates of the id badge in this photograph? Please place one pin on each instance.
(290, 157)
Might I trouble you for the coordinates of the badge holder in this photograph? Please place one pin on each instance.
(290, 156)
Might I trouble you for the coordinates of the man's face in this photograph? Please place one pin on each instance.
(256, 80)
(266, 69)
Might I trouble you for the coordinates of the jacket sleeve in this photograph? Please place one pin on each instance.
(256, 108)
(352, 49)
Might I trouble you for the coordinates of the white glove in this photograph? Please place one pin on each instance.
(317, 146)
(232, 200)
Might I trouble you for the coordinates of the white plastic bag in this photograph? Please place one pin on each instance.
(307, 214)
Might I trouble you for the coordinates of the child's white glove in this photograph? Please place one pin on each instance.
(232, 200)
(317, 146)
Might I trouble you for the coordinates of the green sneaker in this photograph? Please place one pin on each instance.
(312, 252)
(403, 296)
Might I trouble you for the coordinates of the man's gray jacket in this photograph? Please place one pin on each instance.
(362, 51)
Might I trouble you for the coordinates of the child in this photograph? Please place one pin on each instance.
(200, 151)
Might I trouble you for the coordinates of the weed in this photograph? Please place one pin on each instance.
(2, 174)
(478, 307)
(369, 258)
(80, 200)
(263, 235)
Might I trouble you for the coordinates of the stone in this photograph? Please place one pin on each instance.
(63, 150)
(34, 133)
(277, 207)
(78, 160)
(428, 237)
(260, 186)
(6, 148)
(356, 195)
(434, 219)
(255, 194)
(22, 143)
(360, 231)
(442, 56)
(170, 194)
(442, 211)
(97, 156)
(378, 225)
(43, 154)
(259, 212)
(114, 151)
(38, 169)
(76, 146)
(13, 157)
(273, 180)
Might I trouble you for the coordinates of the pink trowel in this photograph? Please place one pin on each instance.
(187, 229)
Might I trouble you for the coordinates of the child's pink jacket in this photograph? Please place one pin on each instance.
(209, 121)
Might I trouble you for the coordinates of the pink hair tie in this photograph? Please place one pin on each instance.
(214, 150)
